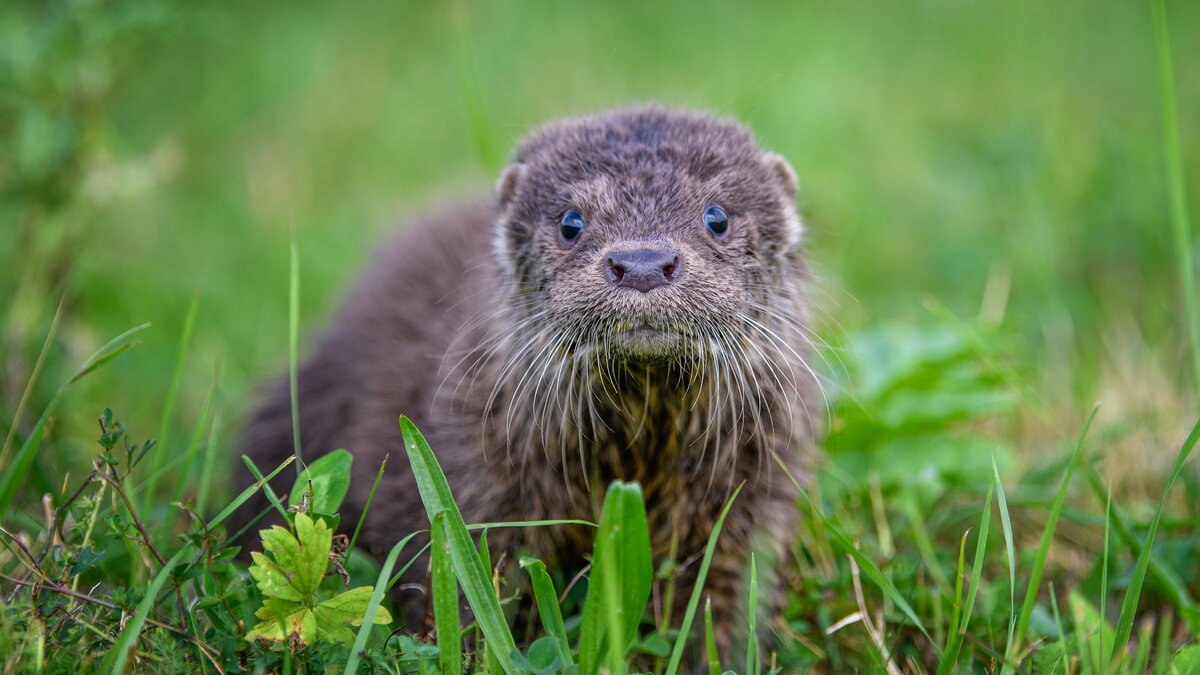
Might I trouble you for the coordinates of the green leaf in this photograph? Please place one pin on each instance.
(544, 656)
(86, 558)
(348, 608)
(302, 625)
(330, 479)
(472, 576)
(299, 562)
(272, 581)
(547, 604)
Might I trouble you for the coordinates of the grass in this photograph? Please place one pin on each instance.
(1020, 161)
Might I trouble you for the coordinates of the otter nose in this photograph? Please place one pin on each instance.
(642, 269)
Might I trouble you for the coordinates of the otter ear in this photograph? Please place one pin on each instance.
(506, 187)
(784, 172)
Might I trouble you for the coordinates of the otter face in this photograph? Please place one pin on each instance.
(646, 234)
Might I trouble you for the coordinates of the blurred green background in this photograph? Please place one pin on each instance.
(947, 150)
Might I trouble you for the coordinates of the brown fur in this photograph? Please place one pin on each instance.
(520, 361)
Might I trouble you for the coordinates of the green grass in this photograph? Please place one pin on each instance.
(998, 210)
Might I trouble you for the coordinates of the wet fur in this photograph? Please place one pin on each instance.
(513, 355)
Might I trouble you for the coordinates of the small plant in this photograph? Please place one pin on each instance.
(290, 579)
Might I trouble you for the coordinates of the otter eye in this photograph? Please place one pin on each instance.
(571, 225)
(716, 221)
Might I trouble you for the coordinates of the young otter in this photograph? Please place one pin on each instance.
(628, 307)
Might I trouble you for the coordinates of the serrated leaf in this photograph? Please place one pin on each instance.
(298, 564)
(330, 478)
(275, 609)
(86, 558)
(271, 580)
(348, 608)
(302, 624)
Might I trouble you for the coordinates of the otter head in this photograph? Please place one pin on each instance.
(646, 234)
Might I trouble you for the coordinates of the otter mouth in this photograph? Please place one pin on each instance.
(649, 340)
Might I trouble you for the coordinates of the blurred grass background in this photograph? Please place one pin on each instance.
(1003, 158)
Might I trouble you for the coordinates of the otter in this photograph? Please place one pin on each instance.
(629, 305)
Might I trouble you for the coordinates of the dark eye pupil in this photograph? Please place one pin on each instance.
(716, 221)
(571, 225)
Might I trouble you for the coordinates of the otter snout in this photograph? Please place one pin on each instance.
(642, 269)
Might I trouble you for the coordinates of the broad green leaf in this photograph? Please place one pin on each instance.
(330, 478)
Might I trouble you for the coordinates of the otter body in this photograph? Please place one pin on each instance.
(629, 306)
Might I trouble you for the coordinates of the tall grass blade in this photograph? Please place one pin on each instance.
(985, 523)
(164, 423)
(273, 498)
(15, 474)
(485, 145)
(33, 378)
(710, 640)
(293, 351)
(1058, 624)
(209, 466)
(381, 584)
(698, 588)
(1134, 590)
(1010, 550)
(1180, 225)
(366, 507)
(445, 600)
(246, 495)
(474, 579)
(1043, 552)
(954, 639)
(1104, 659)
(753, 666)
(1167, 580)
(203, 421)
